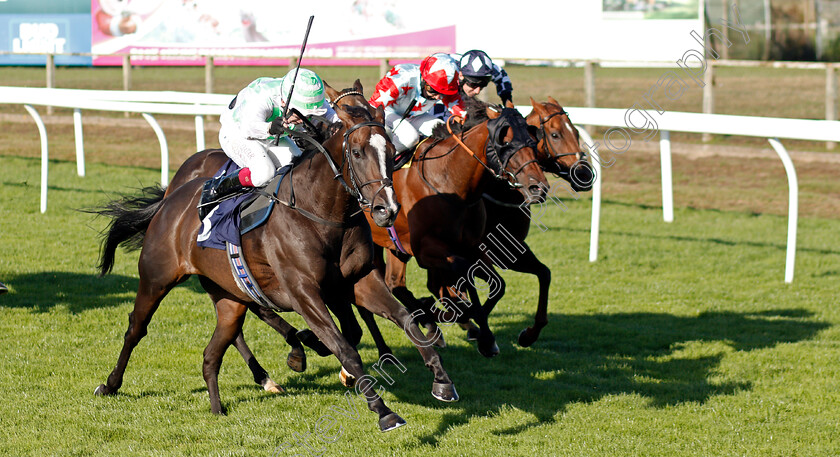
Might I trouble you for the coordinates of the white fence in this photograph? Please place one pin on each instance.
(199, 104)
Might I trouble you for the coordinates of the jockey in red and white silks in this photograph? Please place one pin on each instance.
(409, 92)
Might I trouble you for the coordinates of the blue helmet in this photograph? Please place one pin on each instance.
(476, 65)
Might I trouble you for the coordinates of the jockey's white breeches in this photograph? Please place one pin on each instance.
(262, 157)
(406, 134)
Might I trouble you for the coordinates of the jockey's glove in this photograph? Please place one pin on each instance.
(506, 96)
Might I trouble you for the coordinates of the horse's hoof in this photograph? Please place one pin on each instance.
(444, 392)
(308, 338)
(102, 390)
(296, 363)
(488, 350)
(272, 387)
(526, 338)
(390, 422)
(347, 379)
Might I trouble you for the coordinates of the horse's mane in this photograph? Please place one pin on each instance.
(357, 111)
(476, 114)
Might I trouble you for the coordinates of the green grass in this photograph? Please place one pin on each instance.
(681, 340)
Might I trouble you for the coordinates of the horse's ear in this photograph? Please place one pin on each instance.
(492, 113)
(509, 104)
(539, 108)
(357, 86)
(332, 94)
(380, 114)
(345, 117)
(552, 100)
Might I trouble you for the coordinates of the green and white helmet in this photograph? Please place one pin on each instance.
(308, 96)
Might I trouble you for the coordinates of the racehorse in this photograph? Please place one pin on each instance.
(443, 216)
(558, 152)
(317, 252)
(204, 164)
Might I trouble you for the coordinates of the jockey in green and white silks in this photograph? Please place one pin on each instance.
(244, 135)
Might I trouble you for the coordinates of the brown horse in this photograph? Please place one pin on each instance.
(204, 164)
(300, 259)
(558, 152)
(443, 216)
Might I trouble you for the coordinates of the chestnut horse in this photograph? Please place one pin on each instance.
(443, 216)
(300, 259)
(558, 152)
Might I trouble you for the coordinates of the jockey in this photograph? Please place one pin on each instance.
(477, 70)
(250, 123)
(409, 91)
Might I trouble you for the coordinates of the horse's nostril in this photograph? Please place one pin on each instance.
(381, 210)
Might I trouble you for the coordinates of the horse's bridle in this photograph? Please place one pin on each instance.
(354, 180)
(501, 162)
(543, 136)
(333, 103)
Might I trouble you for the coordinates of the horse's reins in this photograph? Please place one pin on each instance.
(355, 191)
(507, 176)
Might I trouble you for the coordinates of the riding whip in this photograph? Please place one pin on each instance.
(286, 109)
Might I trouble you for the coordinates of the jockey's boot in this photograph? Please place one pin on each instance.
(3, 288)
(216, 189)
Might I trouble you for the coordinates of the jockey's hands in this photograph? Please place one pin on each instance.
(506, 96)
(277, 126)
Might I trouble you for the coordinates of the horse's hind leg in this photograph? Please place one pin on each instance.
(296, 360)
(261, 376)
(146, 303)
(229, 318)
(372, 326)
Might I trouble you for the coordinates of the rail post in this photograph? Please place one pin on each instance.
(830, 98)
(50, 76)
(708, 94)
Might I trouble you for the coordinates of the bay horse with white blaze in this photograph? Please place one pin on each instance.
(299, 261)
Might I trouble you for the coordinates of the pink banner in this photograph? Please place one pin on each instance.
(183, 32)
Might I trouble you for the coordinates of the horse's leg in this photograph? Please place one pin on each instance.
(372, 294)
(529, 263)
(146, 303)
(296, 360)
(486, 340)
(352, 332)
(230, 315)
(491, 302)
(261, 376)
(394, 276)
(372, 326)
(318, 318)
(350, 327)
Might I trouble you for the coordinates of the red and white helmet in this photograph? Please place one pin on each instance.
(441, 72)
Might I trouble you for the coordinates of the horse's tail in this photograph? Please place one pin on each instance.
(130, 217)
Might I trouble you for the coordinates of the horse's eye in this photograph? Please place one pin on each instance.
(555, 135)
(356, 153)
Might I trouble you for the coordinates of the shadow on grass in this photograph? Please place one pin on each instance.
(668, 360)
(45, 290)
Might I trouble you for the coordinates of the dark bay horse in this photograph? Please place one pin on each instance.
(558, 152)
(301, 260)
(443, 216)
(204, 164)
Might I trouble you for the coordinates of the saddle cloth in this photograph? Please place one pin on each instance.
(239, 214)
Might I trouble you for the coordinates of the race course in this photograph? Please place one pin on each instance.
(681, 340)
